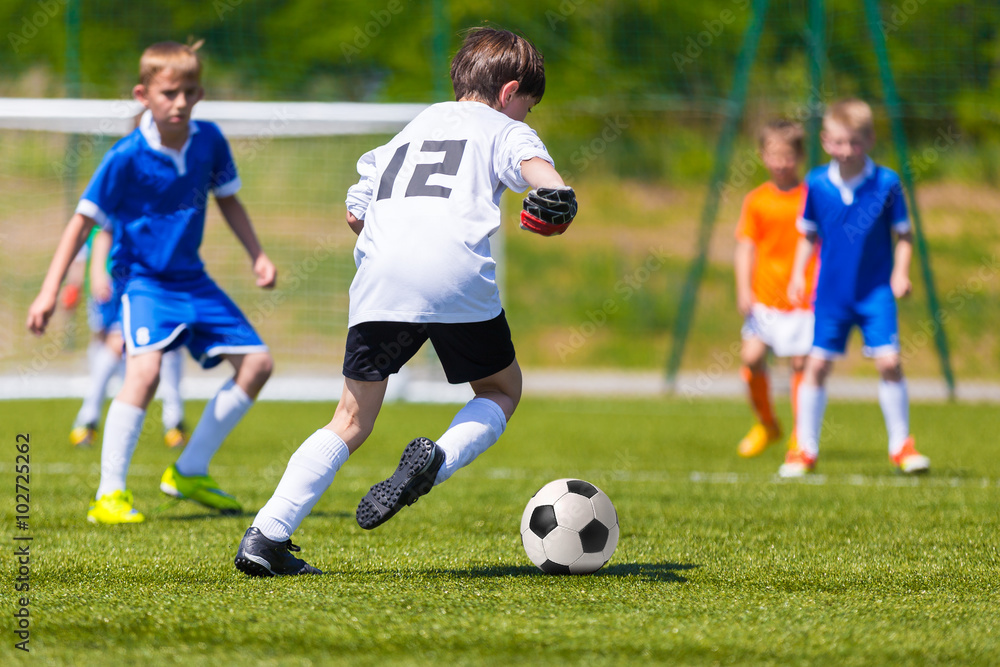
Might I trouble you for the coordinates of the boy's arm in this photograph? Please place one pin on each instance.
(743, 268)
(803, 252)
(238, 220)
(73, 238)
(100, 281)
(539, 173)
(900, 279)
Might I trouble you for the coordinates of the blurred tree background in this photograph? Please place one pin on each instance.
(636, 95)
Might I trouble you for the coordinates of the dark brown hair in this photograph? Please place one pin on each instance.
(789, 133)
(489, 58)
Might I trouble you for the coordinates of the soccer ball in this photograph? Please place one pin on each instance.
(569, 527)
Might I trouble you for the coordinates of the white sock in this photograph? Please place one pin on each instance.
(478, 425)
(221, 414)
(309, 474)
(171, 370)
(892, 396)
(812, 405)
(121, 434)
(103, 364)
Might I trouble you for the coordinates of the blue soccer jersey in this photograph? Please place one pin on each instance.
(854, 221)
(153, 198)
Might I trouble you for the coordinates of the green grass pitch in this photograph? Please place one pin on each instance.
(719, 562)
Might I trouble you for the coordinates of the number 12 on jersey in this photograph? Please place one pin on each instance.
(453, 150)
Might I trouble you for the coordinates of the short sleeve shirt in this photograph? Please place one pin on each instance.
(153, 199)
(430, 201)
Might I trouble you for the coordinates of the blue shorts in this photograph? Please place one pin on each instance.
(105, 317)
(194, 313)
(875, 316)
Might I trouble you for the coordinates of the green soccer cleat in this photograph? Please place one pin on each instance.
(114, 508)
(202, 489)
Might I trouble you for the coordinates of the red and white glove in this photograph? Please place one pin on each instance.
(549, 211)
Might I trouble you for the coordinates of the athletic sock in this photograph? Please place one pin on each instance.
(796, 382)
(478, 425)
(760, 398)
(309, 474)
(221, 414)
(171, 370)
(893, 398)
(812, 405)
(121, 434)
(103, 365)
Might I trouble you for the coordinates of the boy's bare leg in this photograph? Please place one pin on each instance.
(314, 464)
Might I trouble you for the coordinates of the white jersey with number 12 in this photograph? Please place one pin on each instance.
(430, 201)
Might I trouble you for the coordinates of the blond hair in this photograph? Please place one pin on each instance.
(182, 58)
(785, 131)
(852, 113)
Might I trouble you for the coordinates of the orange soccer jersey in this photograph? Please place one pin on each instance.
(768, 221)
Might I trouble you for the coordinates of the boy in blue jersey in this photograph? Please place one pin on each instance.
(151, 191)
(852, 209)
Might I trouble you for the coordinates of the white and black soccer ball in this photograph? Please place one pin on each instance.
(569, 527)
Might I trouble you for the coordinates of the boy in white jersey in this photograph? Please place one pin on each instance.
(152, 190)
(424, 210)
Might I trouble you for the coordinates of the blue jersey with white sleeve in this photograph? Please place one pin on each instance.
(854, 220)
(153, 199)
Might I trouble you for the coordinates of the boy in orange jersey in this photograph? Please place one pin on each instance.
(765, 250)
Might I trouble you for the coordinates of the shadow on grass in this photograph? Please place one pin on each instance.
(209, 514)
(665, 572)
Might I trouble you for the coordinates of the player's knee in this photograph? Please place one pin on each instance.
(260, 366)
(890, 368)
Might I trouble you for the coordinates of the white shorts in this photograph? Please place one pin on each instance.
(788, 332)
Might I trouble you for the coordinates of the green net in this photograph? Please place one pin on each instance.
(638, 98)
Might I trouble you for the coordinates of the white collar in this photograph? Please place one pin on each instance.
(848, 187)
(152, 135)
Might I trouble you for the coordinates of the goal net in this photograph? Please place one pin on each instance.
(296, 161)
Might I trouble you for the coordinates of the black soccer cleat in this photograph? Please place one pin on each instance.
(414, 477)
(259, 556)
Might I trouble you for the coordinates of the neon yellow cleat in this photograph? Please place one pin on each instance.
(114, 508)
(83, 436)
(202, 489)
(909, 460)
(758, 439)
(176, 436)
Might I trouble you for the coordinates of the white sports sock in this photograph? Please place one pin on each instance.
(121, 434)
(171, 370)
(103, 365)
(812, 405)
(478, 425)
(893, 398)
(309, 474)
(221, 415)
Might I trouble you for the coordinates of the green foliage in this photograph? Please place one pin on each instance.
(718, 562)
